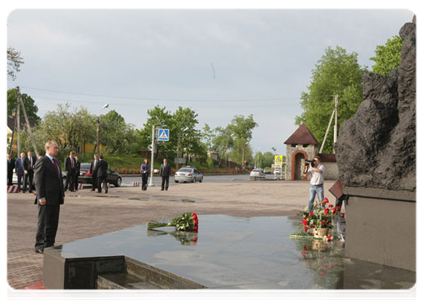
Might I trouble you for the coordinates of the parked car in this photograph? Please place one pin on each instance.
(86, 176)
(277, 172)
(188, 174)
(257, 174)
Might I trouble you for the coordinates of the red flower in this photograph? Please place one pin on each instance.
(334, 210)
(305, 228)
(325, 201)
(195, 228)
(330, 205)
(322, 273)
(329, 237)
(338, 208)
(194, 216)
(305, 222)
(326, 211)
(196, 222)
(312, 226)
(323, 223)
(311, 214)
(342, 215)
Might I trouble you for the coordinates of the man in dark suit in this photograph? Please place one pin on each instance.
(20, 171)
(50, 195)
(165, 173)
(29, 164)
(70, 169)
(10, 167)
(77, 172)
(94, 172)
(101, 169)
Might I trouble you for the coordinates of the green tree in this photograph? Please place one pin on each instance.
(336, 73)
(68, 128)
(30, 106)
(388, 56)
(115, 133)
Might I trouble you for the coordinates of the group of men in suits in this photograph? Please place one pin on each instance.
(24, 169)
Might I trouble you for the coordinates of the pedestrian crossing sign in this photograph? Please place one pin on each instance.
(278, 160)
(163, 135)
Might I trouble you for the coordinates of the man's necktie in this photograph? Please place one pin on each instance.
(57, 167)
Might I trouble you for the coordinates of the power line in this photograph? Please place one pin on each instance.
(161, 99)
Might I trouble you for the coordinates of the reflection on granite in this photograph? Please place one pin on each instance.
(248, 253)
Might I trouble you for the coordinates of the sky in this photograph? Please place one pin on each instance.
(220, 63)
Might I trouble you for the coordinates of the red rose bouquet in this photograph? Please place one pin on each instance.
(185, 222)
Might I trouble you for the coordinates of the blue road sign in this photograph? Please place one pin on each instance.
(163, 135)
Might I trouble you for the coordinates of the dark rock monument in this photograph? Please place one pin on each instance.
(376, 154)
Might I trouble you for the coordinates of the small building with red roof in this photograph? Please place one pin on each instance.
(302, 146)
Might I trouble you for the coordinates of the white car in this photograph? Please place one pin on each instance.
(277, 172)
(257, 174)
(188, 174)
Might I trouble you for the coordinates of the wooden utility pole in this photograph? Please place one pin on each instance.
(18, 120)
(334, 113)
(335, 134)
(27, 121)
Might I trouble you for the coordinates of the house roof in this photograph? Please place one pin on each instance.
(302, 135)
(327, 157)
(11, 122)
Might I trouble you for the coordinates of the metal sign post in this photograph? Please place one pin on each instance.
(152, 158)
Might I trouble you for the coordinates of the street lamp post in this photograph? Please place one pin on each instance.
(98, 128)
(177, 149)
(243, 153)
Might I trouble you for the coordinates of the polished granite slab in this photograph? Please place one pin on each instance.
(243, 253)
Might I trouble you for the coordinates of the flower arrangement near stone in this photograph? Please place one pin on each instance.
(185, 222)
(317, 222)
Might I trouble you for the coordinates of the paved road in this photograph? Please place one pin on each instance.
(87, 214)
(129, 181)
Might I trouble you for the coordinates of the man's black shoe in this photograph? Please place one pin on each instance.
(41, 251)
(107, 191)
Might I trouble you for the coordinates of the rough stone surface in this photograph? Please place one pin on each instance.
(377, 147)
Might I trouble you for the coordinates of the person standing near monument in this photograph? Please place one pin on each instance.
(101, 170)
(94, 172)
(50, 195)
(10, 167)
(165, 173)
(28, 165)
(317, 171)
(20, 171)
(70, 167)
(145, 171)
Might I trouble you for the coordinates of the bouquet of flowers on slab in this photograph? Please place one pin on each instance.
(186, 222)
(319, 220)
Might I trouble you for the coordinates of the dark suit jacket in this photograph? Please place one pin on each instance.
(68, 165)
(92, 168)
(101, 169)
(27, 165)
(10, 166)
(78, 168)
(19, 166)
(48, 183)
(165, 170)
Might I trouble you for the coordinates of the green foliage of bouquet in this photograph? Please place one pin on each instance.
(185, 222)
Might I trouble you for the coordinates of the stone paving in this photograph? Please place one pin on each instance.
(87, 214)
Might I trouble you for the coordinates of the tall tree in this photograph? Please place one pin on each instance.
(388, 56)
(14, 61)
(115, 133)
(336, 73)
(30, 106)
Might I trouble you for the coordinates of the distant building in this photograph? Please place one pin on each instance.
(302, 146)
